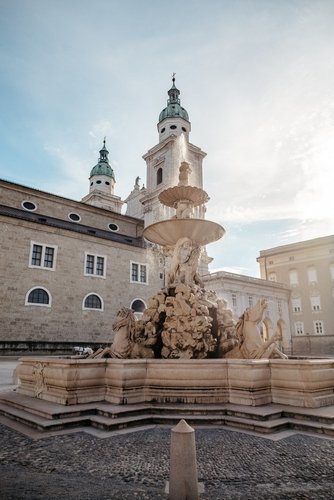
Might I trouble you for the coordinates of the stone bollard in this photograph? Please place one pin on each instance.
(183, 483)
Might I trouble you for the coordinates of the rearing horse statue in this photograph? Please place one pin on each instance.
(251, 344)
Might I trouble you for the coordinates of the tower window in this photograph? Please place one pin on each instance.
(108, 183)
(173, 127)
(91, 183)
(162, 130)
(159, 176)
(184, 129)
(113, 227)
(98, 182)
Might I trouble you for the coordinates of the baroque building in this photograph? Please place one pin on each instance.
(68, 266)
(307, 267)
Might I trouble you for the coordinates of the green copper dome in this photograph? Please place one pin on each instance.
(174, 108)
(103, 167)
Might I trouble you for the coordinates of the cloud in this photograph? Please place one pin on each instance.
(72, 173)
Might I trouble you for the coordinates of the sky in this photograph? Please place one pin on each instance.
(257, 80)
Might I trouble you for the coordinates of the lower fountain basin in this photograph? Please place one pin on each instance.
(301, 383)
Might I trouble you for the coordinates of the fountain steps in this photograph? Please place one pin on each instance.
(49, 418)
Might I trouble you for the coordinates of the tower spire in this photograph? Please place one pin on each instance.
(173, 93)
(104, 153)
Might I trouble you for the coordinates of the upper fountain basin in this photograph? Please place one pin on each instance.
(195, 195)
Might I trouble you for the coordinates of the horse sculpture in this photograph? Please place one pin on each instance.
(251, 344)
(128, 343)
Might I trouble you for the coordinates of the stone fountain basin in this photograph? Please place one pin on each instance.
(168, 232)
(301, 383)
(195, 195)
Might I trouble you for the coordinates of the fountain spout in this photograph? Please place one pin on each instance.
(184, 173)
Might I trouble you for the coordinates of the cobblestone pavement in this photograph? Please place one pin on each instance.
(232, 465)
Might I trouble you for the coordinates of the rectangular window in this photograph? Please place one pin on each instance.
(134, 272)
(95, 265)
(234, 300)
(296, 305)
(293, 277)
(48, 257)
(138, 273)
(318, 327)
(250, 301)
(99, 266)
(312, 275)
(42, 256)
(315, 303)
(90, 264)
(143, 274)
(299, 328)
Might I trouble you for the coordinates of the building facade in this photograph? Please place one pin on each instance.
(308, 269)
(67, 267)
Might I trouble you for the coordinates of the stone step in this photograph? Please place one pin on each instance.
(41, 423)
(308, 425)
(322, 415)
(45, 409)
(51, 417)
(108, 424)
(261, 426)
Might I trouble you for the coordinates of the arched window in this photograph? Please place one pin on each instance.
(138, 306)
(38, 296)
(159, 176)
(93, 301)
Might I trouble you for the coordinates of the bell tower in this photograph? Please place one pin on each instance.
(164, 159)
(102, 183)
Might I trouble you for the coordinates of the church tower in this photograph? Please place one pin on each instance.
(101, 185)
(164, 159)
